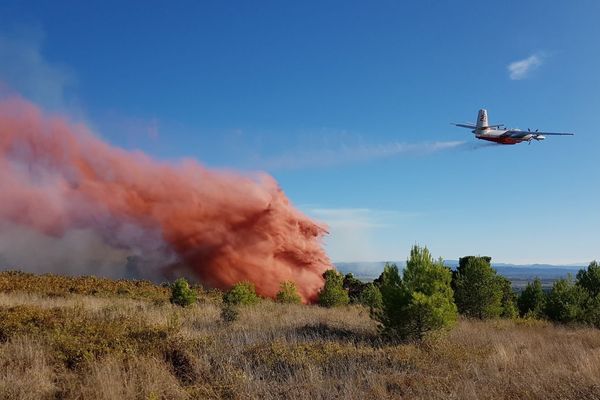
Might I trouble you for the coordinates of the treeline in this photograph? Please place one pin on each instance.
(428, 295)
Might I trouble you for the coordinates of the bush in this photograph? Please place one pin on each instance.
(288, 293)
(182, 294)
(333, 293)
(419, 302)
(478, 290)
(532, 300)
(242, 293)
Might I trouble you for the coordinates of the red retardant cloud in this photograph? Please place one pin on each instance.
(56, 176)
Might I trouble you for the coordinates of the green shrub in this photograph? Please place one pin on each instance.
(242, 293)
(333, 293)
(419, 302)
(182, 294)
(589, 279)
(288, 293)
(532, 300)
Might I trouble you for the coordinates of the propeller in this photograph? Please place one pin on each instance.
(533, 136)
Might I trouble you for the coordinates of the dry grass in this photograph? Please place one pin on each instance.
(132, 347)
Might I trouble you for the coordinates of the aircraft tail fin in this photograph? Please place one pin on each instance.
(482, 119)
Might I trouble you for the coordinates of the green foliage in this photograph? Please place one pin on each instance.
(288, 293)
(242, 293)
(371, 297)
(532, 300)
(566, 302)
(589, 279)
(333, 293)
(479, 292)
(419, 302)
(509, 299)
(182, 294)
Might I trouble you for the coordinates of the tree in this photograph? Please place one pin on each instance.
(532, 300)
(333, 293)
(419, 302)
(288, 293)
(589, 279)
(509, 298)
(371, 297)
(182, 294)
(242, 293)
(478, 291)
(566, 301)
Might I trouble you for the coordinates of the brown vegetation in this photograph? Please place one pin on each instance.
(58, 344)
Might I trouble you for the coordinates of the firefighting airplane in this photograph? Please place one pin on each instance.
(502, 135)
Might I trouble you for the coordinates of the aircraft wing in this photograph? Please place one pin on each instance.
(522, 134)
(470, 126)
(554, 133)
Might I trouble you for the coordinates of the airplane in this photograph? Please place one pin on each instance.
(502, 135)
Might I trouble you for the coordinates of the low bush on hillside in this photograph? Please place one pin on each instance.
(182, 294)
(241, 294)
(288, 293)
(333, 293)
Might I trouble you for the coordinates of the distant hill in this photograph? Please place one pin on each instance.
(518, 274)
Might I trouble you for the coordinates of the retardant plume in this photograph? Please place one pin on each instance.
(57, 178)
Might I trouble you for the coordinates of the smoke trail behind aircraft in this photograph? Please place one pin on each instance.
(58, 181)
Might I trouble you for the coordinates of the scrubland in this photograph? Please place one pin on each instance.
(89, 338)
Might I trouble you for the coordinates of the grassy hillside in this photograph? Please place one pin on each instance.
(89, 338)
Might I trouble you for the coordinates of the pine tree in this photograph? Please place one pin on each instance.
(419, 302)
(532, 300)
(478, 291)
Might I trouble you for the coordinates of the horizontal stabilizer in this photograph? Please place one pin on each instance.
(470, 126)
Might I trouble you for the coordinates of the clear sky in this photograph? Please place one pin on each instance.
(348, 104)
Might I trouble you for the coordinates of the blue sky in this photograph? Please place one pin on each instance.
(348, 105)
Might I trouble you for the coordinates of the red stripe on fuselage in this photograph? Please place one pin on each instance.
(500, 140)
